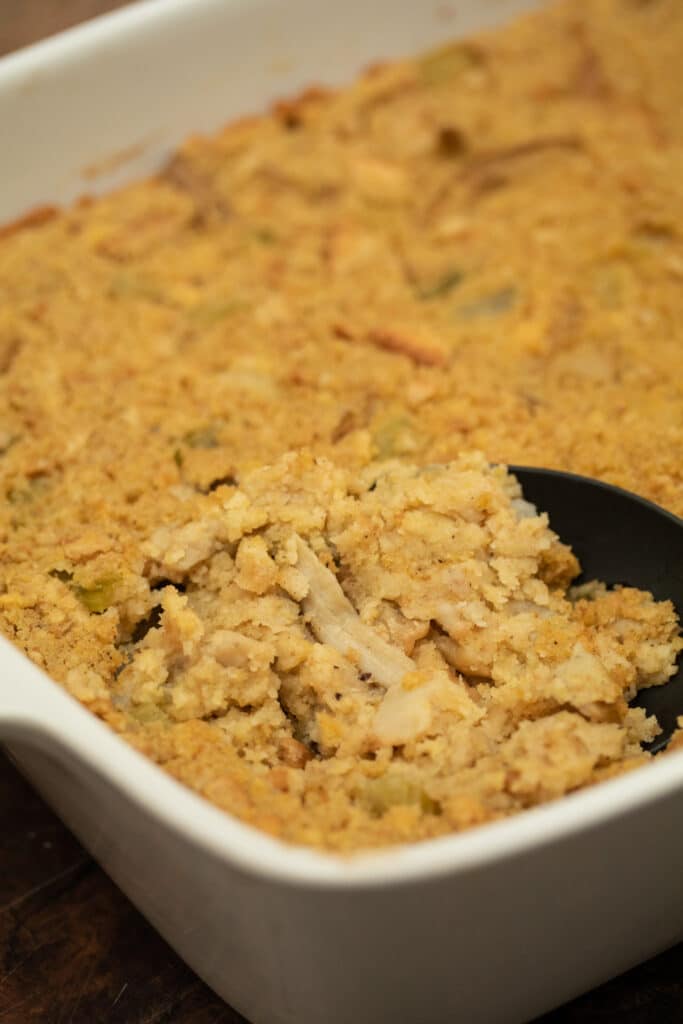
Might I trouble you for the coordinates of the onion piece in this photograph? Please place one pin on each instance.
(405, 713)
(336, 622)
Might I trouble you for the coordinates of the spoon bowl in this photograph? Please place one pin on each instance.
(619, 538)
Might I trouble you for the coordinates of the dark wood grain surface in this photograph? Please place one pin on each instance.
(72, 948)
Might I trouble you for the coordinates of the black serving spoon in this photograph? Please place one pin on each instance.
(618, 537)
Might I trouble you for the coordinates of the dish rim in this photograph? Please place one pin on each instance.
(47, 716)
(61, 46)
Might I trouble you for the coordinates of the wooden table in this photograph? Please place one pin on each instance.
(72, 948)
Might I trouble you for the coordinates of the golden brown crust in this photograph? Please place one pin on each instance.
(33, 219)
(479, 248)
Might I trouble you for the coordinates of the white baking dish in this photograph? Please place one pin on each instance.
(491, 927)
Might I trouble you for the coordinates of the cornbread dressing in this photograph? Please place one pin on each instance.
(254, 416)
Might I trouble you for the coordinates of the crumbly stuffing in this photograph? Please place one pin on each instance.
(477, 249)
(357, 657)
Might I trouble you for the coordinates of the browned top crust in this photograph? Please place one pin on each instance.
(478, 249)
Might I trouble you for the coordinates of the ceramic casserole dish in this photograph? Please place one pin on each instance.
(494, 926)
